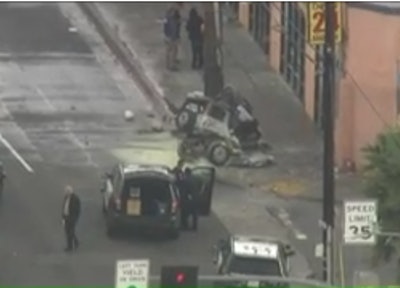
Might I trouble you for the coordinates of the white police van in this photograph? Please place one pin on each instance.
(252, 256)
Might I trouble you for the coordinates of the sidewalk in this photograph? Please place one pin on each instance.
(295, 141)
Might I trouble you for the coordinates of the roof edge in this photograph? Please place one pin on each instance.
(376, 7)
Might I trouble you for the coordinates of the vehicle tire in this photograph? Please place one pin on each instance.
(218, 153)
(185, 120)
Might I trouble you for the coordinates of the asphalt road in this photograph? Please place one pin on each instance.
(60, 118)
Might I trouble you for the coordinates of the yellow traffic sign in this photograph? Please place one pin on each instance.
(316, 23)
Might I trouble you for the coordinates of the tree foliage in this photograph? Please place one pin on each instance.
(382, 182)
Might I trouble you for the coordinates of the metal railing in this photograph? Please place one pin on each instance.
(243, 278)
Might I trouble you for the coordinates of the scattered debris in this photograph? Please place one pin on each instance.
(254, 160)
(129, 115)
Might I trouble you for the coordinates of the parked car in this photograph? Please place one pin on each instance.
(145, 197)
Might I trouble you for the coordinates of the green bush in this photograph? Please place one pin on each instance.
(381, 175)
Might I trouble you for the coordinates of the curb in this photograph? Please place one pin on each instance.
(134, 67)
(125, 56)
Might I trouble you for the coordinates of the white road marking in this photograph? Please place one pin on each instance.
(284, 216)
(67, 129)
(299, 235)
(16, 154)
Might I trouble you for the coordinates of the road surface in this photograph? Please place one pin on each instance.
(302, 216)
(60, 119)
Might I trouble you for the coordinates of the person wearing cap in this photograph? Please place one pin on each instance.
(70, 214)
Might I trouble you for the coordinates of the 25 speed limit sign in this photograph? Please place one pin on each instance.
(360, 218)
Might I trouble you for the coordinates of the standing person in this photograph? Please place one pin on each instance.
(70, 215)
(194, 27)
(178, 172)
(190, 201)
(2, 178)
(172, 27)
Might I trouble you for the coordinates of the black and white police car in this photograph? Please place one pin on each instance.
(252, 256)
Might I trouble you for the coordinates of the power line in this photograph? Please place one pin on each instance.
(367, 99)
(291, 24)
(303, 37)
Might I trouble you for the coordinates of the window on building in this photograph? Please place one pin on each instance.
(234, 6)
(293, 43)
(259, 24)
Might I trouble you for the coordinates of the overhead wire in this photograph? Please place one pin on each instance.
(351, 77)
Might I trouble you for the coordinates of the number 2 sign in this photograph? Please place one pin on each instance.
(316, 22)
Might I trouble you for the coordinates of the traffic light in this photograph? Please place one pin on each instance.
(179, 276)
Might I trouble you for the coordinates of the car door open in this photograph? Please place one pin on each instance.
(205, 178)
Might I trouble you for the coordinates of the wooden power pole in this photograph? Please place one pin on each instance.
(213, 77)
(329, 151)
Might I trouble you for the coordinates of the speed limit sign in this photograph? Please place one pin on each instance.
(360, 218)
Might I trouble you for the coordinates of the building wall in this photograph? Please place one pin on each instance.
(371, 56)
(372, 49)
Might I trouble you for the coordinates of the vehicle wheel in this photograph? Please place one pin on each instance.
(218, 153)
(185, 120)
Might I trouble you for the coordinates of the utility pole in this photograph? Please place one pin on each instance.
(213, 77)
(328, 124)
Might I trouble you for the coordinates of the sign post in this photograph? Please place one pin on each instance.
(360, 219)
(317, 23)
(132, 273)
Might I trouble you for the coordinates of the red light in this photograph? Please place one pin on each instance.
(180, 277)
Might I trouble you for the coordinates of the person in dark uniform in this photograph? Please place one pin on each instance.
(178, 170)
(2, 178)
(70, 215)
(194, 27)
(189, 201)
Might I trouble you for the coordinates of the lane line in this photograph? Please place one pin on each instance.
(16, 154)
(67, 129)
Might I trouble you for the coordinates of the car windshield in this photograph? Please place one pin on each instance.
(255, 266)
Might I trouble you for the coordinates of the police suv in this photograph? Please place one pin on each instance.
(252, 256)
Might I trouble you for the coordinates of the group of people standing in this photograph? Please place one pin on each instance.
(172, 32)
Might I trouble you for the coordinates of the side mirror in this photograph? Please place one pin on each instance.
(288, 250)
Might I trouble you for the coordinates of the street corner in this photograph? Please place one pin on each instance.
(285, 187)
(155, 148)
